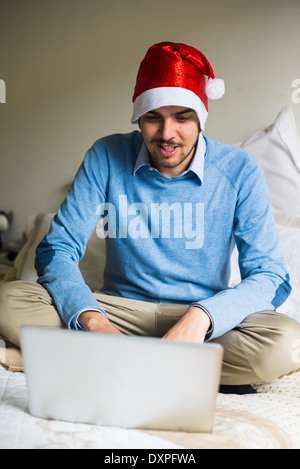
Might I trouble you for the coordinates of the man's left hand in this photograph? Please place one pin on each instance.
(192, 327)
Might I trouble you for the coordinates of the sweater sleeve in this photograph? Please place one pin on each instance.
(264, 279)
(58, 254)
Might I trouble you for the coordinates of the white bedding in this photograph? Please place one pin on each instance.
(269, 419)
(19, 430)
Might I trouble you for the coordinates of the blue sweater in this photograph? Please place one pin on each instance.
(168, 239)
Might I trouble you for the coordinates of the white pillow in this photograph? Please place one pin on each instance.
(91, 266)
(289, 235)
(37, 226)
(277, 148)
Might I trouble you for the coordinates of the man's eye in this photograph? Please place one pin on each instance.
(151, 117)
(183, 118)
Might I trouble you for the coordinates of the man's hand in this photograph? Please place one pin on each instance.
(95, 321)
(192, 327)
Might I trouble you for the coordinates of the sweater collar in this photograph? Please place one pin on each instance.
(197, 164)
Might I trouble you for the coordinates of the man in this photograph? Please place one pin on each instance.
(173, 203)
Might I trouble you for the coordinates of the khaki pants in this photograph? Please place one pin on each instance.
(260, 349)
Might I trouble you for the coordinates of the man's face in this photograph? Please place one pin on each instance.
(170, 134)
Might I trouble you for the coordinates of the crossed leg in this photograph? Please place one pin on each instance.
(260, 349)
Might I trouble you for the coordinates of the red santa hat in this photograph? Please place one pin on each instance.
(175, 74)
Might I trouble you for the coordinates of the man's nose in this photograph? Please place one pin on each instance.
(167, 129)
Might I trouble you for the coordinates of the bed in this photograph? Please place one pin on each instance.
(269, 419)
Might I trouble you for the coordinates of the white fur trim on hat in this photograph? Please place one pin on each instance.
(168, 96)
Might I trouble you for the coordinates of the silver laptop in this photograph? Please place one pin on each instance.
(124, 381)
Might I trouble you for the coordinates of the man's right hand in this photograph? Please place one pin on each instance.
(95, 321)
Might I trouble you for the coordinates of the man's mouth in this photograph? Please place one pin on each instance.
(167, 149)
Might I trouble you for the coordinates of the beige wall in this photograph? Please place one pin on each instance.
(70, 67)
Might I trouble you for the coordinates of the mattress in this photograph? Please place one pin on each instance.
(269, 419)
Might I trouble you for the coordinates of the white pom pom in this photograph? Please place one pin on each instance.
(215, 88)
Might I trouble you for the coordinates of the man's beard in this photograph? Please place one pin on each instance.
(165, 162)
